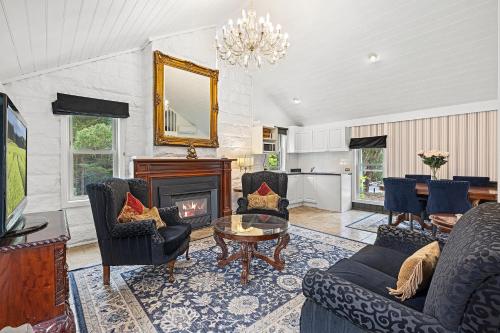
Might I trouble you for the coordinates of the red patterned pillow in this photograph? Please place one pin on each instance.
(264, 189)
(134, 203)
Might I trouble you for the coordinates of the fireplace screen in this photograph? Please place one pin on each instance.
(192, 207)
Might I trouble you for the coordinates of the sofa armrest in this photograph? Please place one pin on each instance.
(170, 215)
(402, 240)
(137, 229)
(364, 308)
(242, 205)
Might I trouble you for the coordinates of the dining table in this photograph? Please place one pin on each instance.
(476, 193)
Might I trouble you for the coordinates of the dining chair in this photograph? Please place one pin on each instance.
(419, 178)
(401, 197)
(474, 181)
(447, 198)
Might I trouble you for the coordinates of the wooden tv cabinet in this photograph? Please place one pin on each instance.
(33, 276)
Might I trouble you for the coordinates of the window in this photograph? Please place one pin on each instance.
(93, 152)
(370, 174)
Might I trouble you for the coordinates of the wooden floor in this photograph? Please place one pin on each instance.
(307, 217)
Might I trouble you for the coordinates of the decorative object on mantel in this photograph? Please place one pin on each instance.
(251, 40)
(191, 153)
(435, 159)
(245, 163)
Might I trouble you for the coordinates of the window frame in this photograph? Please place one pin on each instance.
(357, 174)
(67, 151)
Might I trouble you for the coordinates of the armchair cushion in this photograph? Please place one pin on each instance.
(383, 259)
(174, 236)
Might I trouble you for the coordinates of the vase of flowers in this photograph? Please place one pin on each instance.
(434, 159)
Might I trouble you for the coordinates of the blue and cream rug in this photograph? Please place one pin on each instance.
(205, 298)
(372, 222)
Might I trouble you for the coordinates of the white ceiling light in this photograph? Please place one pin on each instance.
(296, 100)
(251, 40)
(373, 57)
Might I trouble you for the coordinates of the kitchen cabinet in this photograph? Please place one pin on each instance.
(264, 139)
(337, 140)
(325, 191)
(310, 189)
(295, 189)
(320, 139)
(317, 139)
(303, 140)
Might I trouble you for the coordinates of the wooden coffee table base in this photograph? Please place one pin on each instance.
(248, 251)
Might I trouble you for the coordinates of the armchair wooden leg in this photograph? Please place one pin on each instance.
(187, 253)
(170, 266)
(105, 274)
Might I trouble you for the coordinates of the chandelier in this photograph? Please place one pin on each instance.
(251, 40)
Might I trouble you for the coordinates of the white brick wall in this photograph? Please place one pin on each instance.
(128, 78)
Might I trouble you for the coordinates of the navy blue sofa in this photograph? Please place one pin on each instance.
(463, 296)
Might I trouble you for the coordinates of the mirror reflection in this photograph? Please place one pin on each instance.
(186, 103)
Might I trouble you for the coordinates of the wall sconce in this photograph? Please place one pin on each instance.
(245, 163)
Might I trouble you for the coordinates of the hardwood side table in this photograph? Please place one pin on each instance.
(248, 230)
(34, 284)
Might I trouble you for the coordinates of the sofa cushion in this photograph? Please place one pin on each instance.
(373, 280)
(383, 259)
(174, 235)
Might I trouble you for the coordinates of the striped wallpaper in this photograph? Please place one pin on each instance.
(471, 140)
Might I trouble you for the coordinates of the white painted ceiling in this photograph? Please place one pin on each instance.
(432, 53)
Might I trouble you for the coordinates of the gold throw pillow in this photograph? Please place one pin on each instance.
(147, 214)
(257, 201)
(416, 272)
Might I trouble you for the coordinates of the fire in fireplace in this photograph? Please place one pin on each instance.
(192, 207)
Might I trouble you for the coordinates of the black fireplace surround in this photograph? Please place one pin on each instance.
(196, 197)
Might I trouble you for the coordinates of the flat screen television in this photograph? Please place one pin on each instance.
(13, 173)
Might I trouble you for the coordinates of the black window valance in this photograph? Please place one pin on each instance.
(368, 142)
(85, 106)
(282, 130)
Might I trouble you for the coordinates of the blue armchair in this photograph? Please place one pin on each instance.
(134, 243)
(419, 178)
(277, 181)
(463, 295)
(474, 181)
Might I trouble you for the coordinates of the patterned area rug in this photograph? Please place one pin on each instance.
(373, 221)
(203, 297)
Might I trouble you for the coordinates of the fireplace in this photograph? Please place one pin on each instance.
(196, 198)
(175, 181)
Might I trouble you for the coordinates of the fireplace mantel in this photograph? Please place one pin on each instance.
(154, 169)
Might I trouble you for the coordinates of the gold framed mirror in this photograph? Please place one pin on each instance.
(185, 103)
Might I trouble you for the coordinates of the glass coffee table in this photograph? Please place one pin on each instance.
(248, 230)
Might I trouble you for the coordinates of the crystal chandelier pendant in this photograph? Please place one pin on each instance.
(251, 40)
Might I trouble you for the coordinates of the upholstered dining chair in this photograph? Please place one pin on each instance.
(401, 197)
(419, 178)
(446, 199)
(474, 181)
(277, 181)
(138, 242)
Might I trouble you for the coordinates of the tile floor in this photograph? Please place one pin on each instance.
(307, 217)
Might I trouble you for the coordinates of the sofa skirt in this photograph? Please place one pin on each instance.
(314, 319)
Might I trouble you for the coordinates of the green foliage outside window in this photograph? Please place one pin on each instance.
(371, 171)
(272, 161)
(91, 134)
